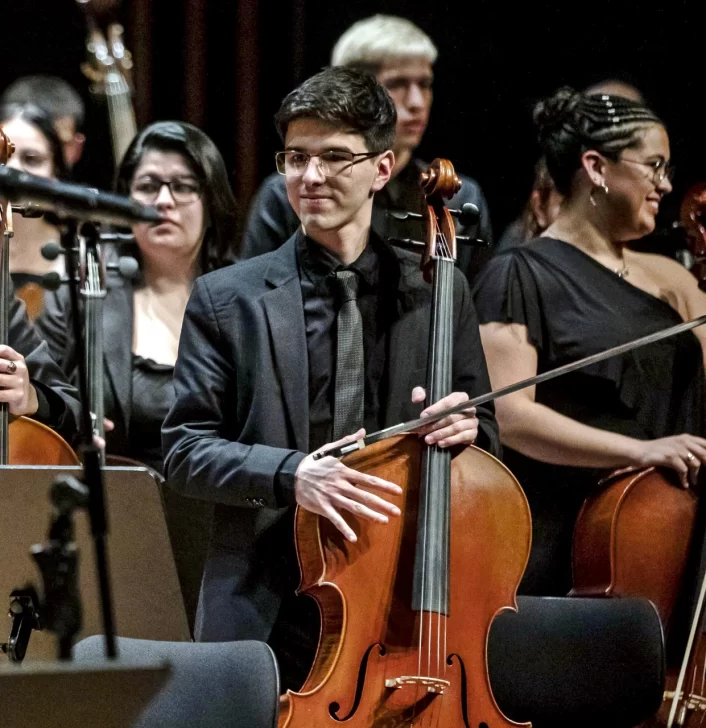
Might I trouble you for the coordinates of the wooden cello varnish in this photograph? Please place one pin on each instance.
(406, 610)
(632, 538)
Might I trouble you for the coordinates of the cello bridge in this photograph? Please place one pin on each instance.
(432, 684)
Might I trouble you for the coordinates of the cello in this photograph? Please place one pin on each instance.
(406, 610)
(684, 702)
(23, 441)
(633, 536)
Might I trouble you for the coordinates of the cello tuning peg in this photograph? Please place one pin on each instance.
(403, 215)
(407, 243)
(469, 214)
(51, 281)
(126, 266)
(468, 240)
(116, 238)
(51, 250)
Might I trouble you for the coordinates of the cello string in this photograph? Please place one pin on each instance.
(448, 315)
(424, 565)
(430, 468)
(437, 253)
(442, 585)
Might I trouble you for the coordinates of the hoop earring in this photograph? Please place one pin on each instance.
(603, 186)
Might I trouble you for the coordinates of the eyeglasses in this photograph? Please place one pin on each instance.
(183, 191)
(661, 168)
(330, 164)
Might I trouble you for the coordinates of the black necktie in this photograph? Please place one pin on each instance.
(348, 405)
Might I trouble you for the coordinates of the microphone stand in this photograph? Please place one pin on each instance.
(92, 476)
(68, 204)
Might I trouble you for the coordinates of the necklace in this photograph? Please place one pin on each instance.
(622, 272)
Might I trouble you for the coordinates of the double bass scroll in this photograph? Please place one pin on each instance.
(109, 69)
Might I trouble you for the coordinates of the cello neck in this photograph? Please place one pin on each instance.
(6, 150)
(93, 292)
(6, 226)
(431, 572)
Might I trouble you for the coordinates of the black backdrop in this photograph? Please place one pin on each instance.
(226, 65)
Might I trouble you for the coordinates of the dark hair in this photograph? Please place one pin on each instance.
(343, 97)
(41, 121)
(51, 93)
(218, 249)
(571, 123)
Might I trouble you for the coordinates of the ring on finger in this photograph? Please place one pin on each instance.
(690, 457)
(11, 367)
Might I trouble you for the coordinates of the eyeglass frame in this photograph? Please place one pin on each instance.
(363, 156)
(168, 183)
(666, 167)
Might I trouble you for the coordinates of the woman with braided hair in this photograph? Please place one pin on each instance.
(576, 290)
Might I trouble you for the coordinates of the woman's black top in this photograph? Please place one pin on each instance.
(137, 392)
(572, 307)
(152, 396)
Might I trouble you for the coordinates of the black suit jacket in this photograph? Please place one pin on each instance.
(240, 424)
(58, 400)
(272, 221)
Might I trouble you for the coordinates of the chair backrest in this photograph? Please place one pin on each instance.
(212, 685)
(578, 662)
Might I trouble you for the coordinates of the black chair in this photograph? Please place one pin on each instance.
(212, 685)
(563, 662)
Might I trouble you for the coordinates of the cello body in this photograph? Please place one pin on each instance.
(380, 662)
(632, 538)
(33, 443)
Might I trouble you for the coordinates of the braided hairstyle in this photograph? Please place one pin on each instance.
(571, 123)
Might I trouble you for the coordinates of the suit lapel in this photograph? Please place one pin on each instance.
(284, 310)
(117, 346)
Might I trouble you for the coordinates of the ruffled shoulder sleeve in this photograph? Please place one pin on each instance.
(506, 292)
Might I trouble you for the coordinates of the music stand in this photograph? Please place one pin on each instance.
(147, 597)
(109, 693)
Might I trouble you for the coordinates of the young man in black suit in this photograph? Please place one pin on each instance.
(256, 375)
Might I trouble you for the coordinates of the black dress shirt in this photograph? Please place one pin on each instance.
(377, 307)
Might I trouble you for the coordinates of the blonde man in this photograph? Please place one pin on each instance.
(401, 57)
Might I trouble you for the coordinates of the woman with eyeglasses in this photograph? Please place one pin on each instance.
(576, 290)
(178, 169)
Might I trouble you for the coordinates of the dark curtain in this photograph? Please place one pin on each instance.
(226, 64)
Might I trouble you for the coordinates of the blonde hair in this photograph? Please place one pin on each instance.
(379, 39)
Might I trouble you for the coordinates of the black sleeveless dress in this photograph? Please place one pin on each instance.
(572, 307)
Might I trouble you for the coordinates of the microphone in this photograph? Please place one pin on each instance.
(72, 200)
